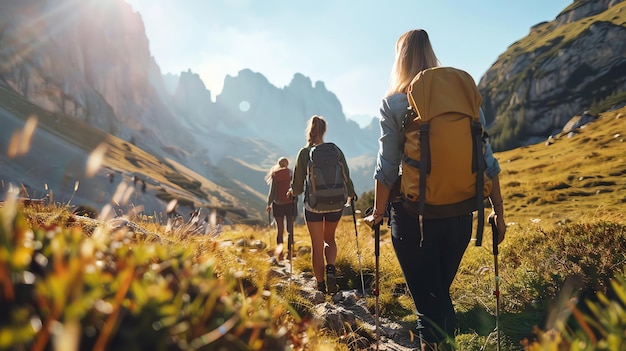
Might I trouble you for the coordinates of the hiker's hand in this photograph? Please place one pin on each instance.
(349, 201)
(268, 208)
(373, 219)
(500, 225)
(289, 193)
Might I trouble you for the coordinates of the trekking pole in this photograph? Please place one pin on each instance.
(290, 238)
(377, 280)
(269, 224)
(358, 250)
(290, 243)
(496, 293)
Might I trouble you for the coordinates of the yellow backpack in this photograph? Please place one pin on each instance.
(443, 167)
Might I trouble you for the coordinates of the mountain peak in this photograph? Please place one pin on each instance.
(299, 81)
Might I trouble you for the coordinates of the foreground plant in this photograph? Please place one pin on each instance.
(62, 288)
(601, 327)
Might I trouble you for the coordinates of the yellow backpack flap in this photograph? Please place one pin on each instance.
(443, 163)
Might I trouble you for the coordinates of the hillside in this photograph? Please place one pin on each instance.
(572, 177)
(58, 157)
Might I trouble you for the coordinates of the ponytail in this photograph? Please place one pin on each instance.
(315, 130)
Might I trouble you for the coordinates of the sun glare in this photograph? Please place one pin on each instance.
(244, 106)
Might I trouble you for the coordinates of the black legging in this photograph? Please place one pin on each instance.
(283, 213)
(429, 264)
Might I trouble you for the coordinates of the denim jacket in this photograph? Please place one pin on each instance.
(391, 142)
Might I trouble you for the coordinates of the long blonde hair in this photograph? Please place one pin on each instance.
(414, 53)
(283, 162)
(315, 130)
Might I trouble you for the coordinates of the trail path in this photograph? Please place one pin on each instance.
(347, 312)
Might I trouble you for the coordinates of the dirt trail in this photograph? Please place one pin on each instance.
(347, 312)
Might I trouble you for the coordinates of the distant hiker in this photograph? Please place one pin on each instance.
(143, 186)
(281, 204)
(111, 177)
(322, 174)
(429, 258)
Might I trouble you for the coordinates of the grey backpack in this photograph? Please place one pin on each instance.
(326, 188)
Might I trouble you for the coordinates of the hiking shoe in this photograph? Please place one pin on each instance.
(331, 279)
(321, 286)
(275, 262)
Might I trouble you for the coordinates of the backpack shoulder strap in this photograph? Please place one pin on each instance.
(478, 161)
(310, 179)
(424, 165)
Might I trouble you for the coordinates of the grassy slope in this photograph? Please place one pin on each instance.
(546, 33)
(574, 178)
(554, 192)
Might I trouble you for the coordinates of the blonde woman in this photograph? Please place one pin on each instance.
(428, 266)
(321, 221)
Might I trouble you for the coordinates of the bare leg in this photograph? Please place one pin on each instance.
(316, 231)
(330, 251)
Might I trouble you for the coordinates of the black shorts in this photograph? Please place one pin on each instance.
(283, 210)
(319, 217)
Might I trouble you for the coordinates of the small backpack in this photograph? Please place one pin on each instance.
(326, 188)
(282, 181)
(443, 167)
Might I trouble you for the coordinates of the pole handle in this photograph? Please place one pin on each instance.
(377, 240)
(353, 213)
(494, 234)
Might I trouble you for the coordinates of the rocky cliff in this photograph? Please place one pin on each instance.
(561, 69)
(87, 59)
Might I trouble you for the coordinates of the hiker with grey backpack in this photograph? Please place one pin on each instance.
(321, 174)
(435, 167)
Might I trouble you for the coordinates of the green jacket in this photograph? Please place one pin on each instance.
(301, 168)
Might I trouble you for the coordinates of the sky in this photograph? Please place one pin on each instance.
(347, 44)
